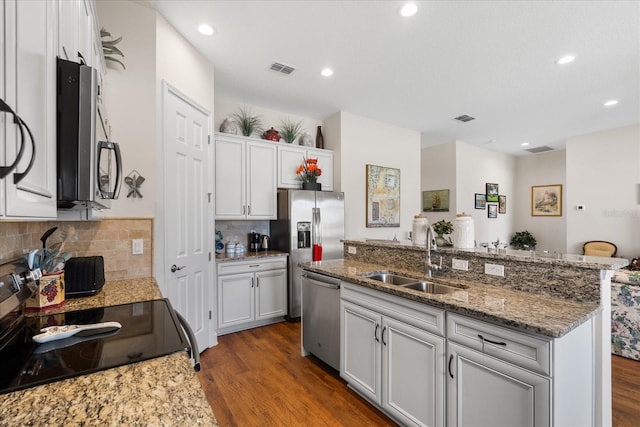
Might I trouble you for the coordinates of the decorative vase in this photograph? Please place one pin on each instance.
(315, 186)
(319, 138)
(440, 240)
(228, 126)
(271, 135)
(305, 140)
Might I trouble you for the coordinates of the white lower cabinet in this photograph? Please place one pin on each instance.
(484, 391)
(389, 360)
(251, 293)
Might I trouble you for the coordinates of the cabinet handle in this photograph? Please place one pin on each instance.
(375, 333)
(244, 209)
(383, 329)
(257, 282)
(504, 344)
(450, 360)
(17, 177)
(4, 170)
(255, 265)
(252, 279)
(248, 209)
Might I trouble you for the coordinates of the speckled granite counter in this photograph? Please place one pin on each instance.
(541, 314)
(222, 257)
(160, 392)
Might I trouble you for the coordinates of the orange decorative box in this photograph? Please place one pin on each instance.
(49, 293)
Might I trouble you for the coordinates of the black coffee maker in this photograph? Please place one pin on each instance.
(254, 241)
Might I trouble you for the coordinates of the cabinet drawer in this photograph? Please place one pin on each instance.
(518, 348)
(261, 264)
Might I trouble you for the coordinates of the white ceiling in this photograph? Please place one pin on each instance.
(493, 60)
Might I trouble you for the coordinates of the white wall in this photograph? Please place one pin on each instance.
(365, 141)
(541, 169)
(225, 107)
(130, 100)
(475, 167)
(603, 173)
(438, 172)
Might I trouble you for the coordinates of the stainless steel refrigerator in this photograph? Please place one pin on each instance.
(307, 218)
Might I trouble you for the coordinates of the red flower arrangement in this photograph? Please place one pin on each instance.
(309, 170)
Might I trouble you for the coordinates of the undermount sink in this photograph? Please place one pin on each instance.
(411, 283)
(431, 288)
(391, 279)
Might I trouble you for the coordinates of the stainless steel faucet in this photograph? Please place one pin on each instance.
(431, 244)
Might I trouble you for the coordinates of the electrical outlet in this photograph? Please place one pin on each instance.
(137, 247)
(351, 250)
(460, 264)
(494, 269)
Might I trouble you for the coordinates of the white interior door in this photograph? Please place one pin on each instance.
(187, 211)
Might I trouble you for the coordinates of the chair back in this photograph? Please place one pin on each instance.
(599, 248)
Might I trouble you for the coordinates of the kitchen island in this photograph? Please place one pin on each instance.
(160, 391)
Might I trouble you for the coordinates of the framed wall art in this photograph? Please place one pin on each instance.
(383, 196)
(492, 210)
(502, 204)
(546, 200)
(435, 201)
(481, 201)
(491, 192)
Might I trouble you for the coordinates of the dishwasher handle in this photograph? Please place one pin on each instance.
(321, 283)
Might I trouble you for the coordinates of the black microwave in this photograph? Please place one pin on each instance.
(89, 172)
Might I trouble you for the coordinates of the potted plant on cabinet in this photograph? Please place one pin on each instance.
(247, 122)
(290, 130)
(309, 172)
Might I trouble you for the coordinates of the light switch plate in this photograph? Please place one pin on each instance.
(494, 269)
(460, 264)
(136, 247)
(351, 250)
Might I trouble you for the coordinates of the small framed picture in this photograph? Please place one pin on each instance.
(502, 204)
(546, 200)
(492, 210)
(491, 192)
(481, 201)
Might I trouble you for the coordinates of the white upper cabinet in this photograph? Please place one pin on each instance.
(245, 178)
(290, 157)
(29, 82)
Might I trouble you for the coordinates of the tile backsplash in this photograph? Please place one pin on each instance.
(111, 238)
(239, 230)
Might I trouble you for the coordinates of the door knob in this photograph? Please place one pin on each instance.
(175, 268)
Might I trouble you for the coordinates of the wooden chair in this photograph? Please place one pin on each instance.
(599, 248)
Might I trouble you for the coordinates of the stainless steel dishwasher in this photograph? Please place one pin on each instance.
(321, 317)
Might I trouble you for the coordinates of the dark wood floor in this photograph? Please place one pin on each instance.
(258, 378)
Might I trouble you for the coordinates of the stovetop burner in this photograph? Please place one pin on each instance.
(149, 329)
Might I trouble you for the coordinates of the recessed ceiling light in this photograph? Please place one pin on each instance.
(327, 72)
(566, 59)
(524, 144)
(610, 103)
(408, 9)
(205, 29)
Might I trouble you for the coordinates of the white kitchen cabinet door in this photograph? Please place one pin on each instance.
(30, 31)
(484, 391)
(236, 300)
(230, 179)
(360, 355)
(271, 294)
(290, 157)
(261, 180)
(325, 163)
(68, 29)
(413, 373)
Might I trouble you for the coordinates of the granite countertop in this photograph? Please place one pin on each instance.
(534, 313)
(158, 392)
(581, 261)
(248, 255)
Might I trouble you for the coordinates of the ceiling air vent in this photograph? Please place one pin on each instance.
(281, 68)
(465, 118)
(540, 149)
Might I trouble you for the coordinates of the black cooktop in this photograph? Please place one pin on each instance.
(149, 329)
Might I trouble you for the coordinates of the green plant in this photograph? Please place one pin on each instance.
(523, 240)
(290, 130)
(248, 122)
(443, 227)
(109, 48)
